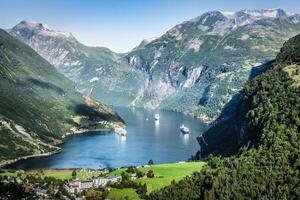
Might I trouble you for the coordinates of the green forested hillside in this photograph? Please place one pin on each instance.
(38, 105)
(266, 128)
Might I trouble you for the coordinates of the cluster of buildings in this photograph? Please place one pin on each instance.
(80, 185)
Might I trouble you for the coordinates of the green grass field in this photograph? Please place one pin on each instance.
(62, 174)
(116, 194)
(163, 175)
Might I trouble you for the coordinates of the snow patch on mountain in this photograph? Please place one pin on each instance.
(271, 13)
(202, 27)
(195, 44)
(221, 28)
(175, 32)
(244, 37)
(158, 52)
(132, 60)
(94, 79)
(227, 47)
(72, 63)
(217, 15)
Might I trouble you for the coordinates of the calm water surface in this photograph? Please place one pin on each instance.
(146, 139)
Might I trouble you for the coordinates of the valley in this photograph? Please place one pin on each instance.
(146, 139)
(209, 109)
(196, 68)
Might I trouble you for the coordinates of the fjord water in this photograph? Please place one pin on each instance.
(146, 139)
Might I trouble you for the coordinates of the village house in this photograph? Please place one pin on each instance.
(41, 192)
(79, 185)
(114, 179)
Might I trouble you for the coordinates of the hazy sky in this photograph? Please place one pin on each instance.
(121, 24)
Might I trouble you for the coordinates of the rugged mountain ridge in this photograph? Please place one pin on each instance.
(196, 68)
(39, 106)
(265, 133)
(97, 71)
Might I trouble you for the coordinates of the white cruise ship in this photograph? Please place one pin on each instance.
(121, 131)
(184, 129)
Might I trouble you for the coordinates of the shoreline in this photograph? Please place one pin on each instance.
(11, 164)
(100, 169)
(13, 161)
(84, 131)
(6, 163)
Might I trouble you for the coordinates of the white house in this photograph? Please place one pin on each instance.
(79, 185)
(100, 181)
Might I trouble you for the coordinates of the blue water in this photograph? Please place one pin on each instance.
(146, 139)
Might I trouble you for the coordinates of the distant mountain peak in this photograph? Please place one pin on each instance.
(32, 25)
(215, 15)
(241, 17)
(41, 28)
(258, 13)
(195, 67)
(267, 13)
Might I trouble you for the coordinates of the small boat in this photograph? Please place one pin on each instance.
(121, 131)
(156, 117)
(184, 129)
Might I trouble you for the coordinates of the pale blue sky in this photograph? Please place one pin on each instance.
(121, 24)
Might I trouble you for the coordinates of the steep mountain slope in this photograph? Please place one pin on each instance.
(97, 71)
(199, 65)
(196, 67)
(38, 105)
(267, 165)
(227, 137)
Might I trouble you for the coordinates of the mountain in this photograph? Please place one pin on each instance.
(196, 68)
(95, 70)
(265, 133)
(39, 106)
(226, 138)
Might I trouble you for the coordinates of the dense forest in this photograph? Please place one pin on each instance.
(266, 129)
